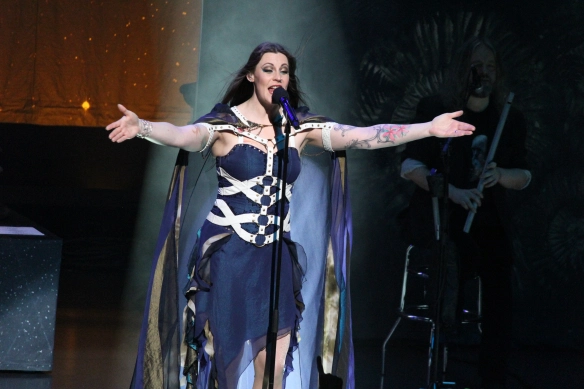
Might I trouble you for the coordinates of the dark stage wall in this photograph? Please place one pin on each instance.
(403, 57)
(370, 61)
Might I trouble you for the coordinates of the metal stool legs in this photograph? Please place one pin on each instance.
(420, 312)
(410, 312)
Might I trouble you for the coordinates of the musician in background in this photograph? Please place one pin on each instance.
(475, 84)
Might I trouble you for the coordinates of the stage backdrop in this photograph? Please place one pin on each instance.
(70, 62)
(541, 46)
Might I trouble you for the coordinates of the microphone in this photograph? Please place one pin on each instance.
(476, 84)
(280, 96)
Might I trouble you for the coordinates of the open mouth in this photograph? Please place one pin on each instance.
(273, 88)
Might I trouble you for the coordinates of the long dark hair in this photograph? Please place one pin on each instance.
(456, 89)
(240, 89)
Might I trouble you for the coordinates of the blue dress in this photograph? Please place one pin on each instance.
(231, 271)
(226, 256)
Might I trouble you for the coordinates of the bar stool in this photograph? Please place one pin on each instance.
(421, 311)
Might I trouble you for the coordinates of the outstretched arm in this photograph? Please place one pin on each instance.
(192, 137)
(386, 135)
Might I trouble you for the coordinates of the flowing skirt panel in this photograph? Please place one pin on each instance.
(229, 303)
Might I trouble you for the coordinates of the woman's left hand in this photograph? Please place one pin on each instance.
(492, 175)
(444, 126)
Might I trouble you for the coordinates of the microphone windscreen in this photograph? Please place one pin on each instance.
(278, 94)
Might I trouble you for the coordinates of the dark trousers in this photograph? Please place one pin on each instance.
(488, 253)
(495, 269)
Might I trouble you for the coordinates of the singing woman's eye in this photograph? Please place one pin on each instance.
(267, 70)
(284, 71)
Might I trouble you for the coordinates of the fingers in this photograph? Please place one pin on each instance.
(489, 182)
(121, 133)
(472, 200)
(118, 133)
(461, 133)
(118, 136)
(476, 194)
(455, 114)
(469, 199)
(475, 201)
(464, 129)
(491, 175)
(117, 123)
(113, 125)
(472, 204)
(487, 176)
(462, 126)
(114, 135)
(469, 205)
(121, 129)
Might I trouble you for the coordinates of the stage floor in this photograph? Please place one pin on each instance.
(96, 340)
(95, 349)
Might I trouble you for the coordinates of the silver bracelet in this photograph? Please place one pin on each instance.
(145, 128)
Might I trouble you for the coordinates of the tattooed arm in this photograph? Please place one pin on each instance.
(192, 137)
(344, 137)
(381, 135)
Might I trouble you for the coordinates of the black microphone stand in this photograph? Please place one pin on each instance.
(438, 186)
(273, 320)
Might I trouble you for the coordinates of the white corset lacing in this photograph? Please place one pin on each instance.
(235, 221)
(266, 181)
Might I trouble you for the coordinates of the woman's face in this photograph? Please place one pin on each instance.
(270, 73)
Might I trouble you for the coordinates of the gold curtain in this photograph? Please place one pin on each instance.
(69, 62)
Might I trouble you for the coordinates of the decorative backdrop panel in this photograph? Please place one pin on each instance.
(70, 62)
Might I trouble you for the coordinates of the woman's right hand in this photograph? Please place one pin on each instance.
(468, 199)
(125, 128)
